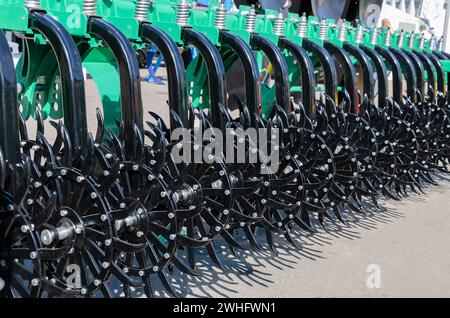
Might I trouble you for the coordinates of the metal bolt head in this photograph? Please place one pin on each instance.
(35, 282)
(139, 234)
(33, 255)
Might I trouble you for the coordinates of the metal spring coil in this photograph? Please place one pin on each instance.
(422, 42)
(387, 38)
(342, 31)
(302, 26)
(412, 38)
(220, 21)
(32, 4)
(433, 43)
(183, 13)
(278, 25)
(142, 7)
(90, 7)
(401, 39)
(323, 30)
(359, 34)
(440, 44)
(374, 38)
(250, 20)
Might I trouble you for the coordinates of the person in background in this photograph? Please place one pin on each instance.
(386, 23)
(153, 67)
(426, 31)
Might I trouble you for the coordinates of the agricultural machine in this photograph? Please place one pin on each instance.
(354, 114)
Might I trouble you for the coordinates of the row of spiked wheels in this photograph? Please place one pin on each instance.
(86, 212)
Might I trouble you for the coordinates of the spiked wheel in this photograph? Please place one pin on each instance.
(78, 234)
(21, 265)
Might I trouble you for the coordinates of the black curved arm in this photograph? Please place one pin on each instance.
(430, 69)
(71, 70)
(397, 79)
(176, 77)
(419, 69)
(409, 71)
(326, 61)
(251, 71)
(349, 73)
(364, 62)
(440, 72)
(306, 72)
(9, 132)
(216, 72)
(440, 55)
(280, 68)
(130, 86)
(381, 69)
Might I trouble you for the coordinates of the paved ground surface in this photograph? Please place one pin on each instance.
(405, 248)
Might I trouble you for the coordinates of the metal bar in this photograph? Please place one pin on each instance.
(251, 72)
(130, 86)
(328, 66)
(349, 72)
(397, 80)
(280, 68)
(364, 62)
(420, 70)
(216, 73)
(71, 70)
(409, 72)
(431, 71)
(9, 132)
(176, 77)
(382, 75)
(307, 73)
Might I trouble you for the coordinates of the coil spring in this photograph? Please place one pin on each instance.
(142, 7)
(342, 31)
(302, 26)
(220, 21)
(374, 38)
(387, 38)
(440, 44)
(90, 7)
(433, 42)
(323, 30)
(278, 25)
(401, 39)
(32, 4)
(183, 13)
(412, 37)
(359, 34)
(422, 42)
(250, 20)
